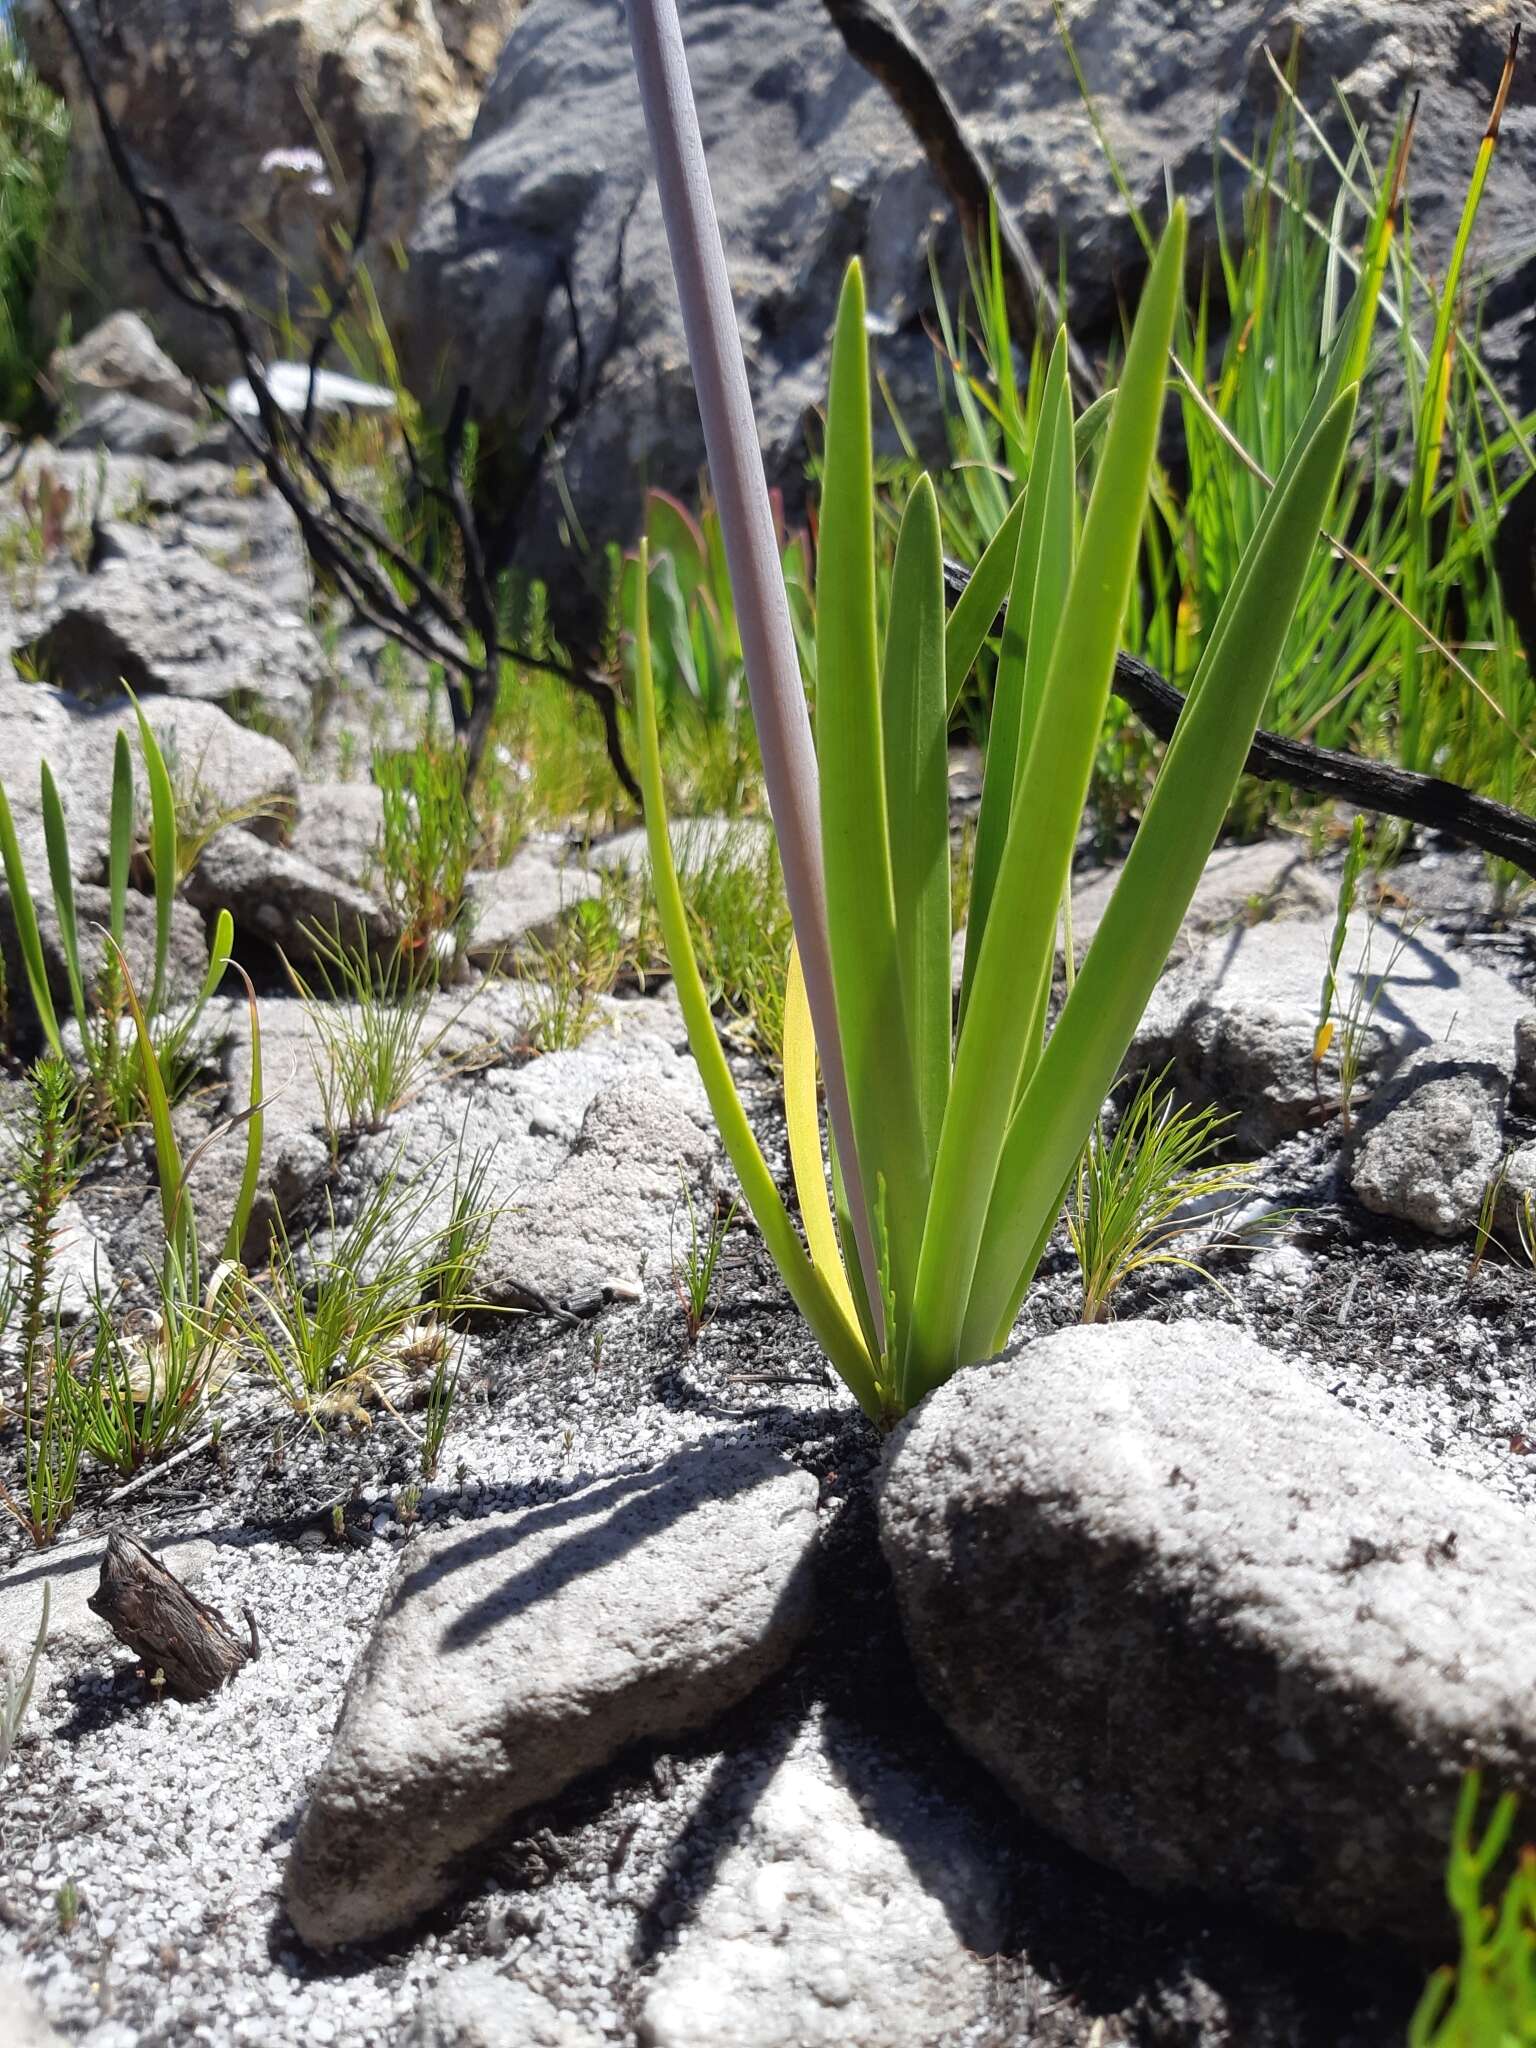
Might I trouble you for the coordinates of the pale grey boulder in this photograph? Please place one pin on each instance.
(1428, 1155)
(526, 902)
(121, 424)
(338, 829)
(1210, 1626)
(174, 623)
(120, 357)
(854, 1905)
(479, 2007)
(1237, 1020)
(519, 1652)
(279, 897)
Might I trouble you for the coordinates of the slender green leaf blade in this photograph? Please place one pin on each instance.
(1182, 819)
(56, 839)
(121, 844)
(856, 851)
(1020, 939)
(255, 1130)
(979, 603)
(162, 849)
(915, 716)
(24, 917)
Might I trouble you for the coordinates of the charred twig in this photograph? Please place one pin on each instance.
(885, 48)
(1426, 800)
(344, 539)
(170, 1630)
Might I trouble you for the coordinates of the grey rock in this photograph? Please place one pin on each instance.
(1522, 1094)
(125, 425)
(174, 623)
(1238, 1019)
(185, 965)
(120, 356)
(855, 1905)
(811, 165)
(218, 765)
(526, 901)
(338, 828)
(516, 1653)
(1429, 1153)
(1211, 1627)
(221, 101)
(281, 898)
(478, 2007)
(27, 2024)
(588, 1152)
(698, 844)
(1241, 885)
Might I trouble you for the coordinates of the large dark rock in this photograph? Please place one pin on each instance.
(811, 165)
(1209, 1625)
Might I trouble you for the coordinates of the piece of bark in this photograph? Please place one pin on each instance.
(170, 1630)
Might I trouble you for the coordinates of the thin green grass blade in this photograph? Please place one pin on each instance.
(915, 717)
(120, 852)
(255, 1127)
(162, 849)
(56, 839)
(28, 938)
(1182, 819)
(855, 821)
(843, 1344)
(1020, 940)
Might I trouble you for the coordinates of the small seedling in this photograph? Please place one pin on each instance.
(694, 1275)
(1488, 1998)
(66, 1902)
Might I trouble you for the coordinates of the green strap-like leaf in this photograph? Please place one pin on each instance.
(121, 847)
(855, 821)
(175, 1214)
(1183, 816)
(980, 602)
(28, 938)
(916, 721)
(1036, 597)
(162, 849)
(254, 1132)
(842, 1343)
(56, 839)
(1020, 938)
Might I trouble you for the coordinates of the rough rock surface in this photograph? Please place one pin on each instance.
(1238, 1019)
(480, 2007)
(811, 165)
(121, 357)
(279, 897)
(1430, 1154)
(528, 899)
(1208, 1625)
(26, 2022)
(124, 425)
(853, 1908)
(515, 1655)
(337, 828)
(205, 90)
(218, 764)
(175, 623)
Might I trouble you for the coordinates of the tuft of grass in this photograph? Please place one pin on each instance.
(34, 148)
(694, 1274)
(370, 1020)
(333, 1314)
(1135, 1187)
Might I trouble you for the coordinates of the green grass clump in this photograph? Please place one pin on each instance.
(34, 148)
